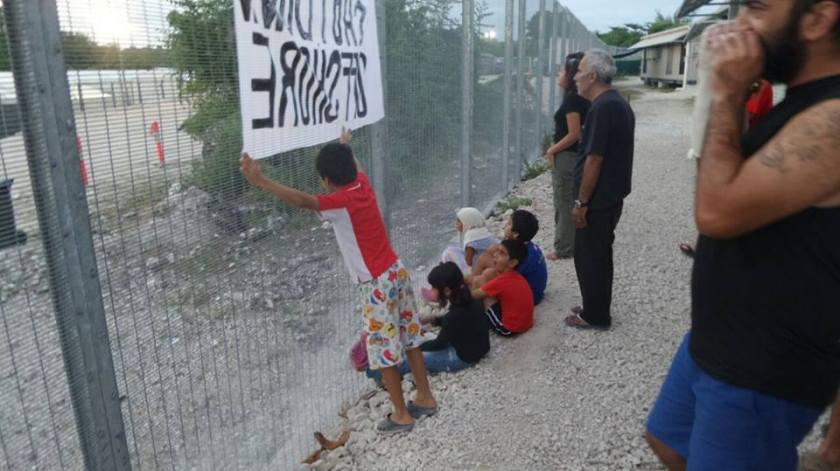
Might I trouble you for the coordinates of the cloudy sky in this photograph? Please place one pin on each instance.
(143, 22)
(597, 15)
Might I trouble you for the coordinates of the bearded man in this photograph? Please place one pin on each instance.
(762, 360)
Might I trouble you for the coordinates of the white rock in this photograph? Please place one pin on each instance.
(356, 414)
(378, 399)
(382, 448)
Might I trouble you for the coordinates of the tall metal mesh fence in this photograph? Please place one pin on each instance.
(230, 316)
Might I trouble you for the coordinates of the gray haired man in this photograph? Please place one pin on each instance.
(602, 176)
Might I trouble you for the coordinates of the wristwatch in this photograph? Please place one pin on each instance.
(580, 204)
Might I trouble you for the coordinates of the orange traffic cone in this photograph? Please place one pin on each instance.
(82, 165)
(154, 130)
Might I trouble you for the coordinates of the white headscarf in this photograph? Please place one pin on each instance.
(475, 226)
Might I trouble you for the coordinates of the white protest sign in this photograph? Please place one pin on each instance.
(306, 68)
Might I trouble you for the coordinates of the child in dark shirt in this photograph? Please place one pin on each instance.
(463, 338)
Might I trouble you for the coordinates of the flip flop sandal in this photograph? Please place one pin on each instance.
(578, 322)
(553, 257)
(418, 412)
(388, 427)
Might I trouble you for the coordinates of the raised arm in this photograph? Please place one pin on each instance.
(252, 172)
(796, 170)
(345, 138)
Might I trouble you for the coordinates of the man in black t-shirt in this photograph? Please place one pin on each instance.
(762, 359)
(603, 175)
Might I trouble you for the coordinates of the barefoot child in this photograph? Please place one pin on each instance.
(508, 298)
(387, 302)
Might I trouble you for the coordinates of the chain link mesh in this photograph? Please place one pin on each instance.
(230, 315)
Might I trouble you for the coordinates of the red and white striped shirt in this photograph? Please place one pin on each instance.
(359, 229)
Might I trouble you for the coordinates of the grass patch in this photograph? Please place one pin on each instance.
(513, 203)
(534, 169)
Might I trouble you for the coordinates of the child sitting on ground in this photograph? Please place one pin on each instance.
(390, 313)
(463, 339)
(507, 298)
(475, 240)
(522, 226)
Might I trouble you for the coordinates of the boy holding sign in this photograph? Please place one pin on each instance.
(392, 321)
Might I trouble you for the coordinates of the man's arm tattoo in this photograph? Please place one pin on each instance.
(774, 158)
(812, 144)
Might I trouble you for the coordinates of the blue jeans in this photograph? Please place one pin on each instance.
(718, 426)
(436, 362)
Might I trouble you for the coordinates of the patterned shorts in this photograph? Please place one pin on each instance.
(391, 317)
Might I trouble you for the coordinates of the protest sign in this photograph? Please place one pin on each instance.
(306, 68)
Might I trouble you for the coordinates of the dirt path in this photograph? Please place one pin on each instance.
(561, 399)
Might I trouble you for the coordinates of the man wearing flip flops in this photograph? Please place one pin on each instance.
(602, 179)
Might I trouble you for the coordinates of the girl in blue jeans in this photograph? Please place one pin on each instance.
(463, 339)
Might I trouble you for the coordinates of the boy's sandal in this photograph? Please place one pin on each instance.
(388, 427)
(418, 412)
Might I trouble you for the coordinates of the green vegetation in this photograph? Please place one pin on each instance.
(630, 33)
(534, 169)
(512, 203)
(83, 53)
(624, 36)
(423, 78)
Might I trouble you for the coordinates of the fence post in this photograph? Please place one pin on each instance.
(50, 138)
(540, 82)
(569, 27)
(508, 95)
(520, 89)
(79, 90)
(552, 63)
(733, 11)
(468, 14)
(379, 131)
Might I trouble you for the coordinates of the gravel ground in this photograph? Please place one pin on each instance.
(558, 398)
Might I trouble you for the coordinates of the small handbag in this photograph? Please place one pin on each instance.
(358, 353)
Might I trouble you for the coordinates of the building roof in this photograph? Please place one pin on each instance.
(690, 6)
(670, 36)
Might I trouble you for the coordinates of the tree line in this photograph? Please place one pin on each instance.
(83, 53)
(629, 34)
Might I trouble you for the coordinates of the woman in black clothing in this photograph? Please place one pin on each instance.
(464, 338)
(563, 155)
